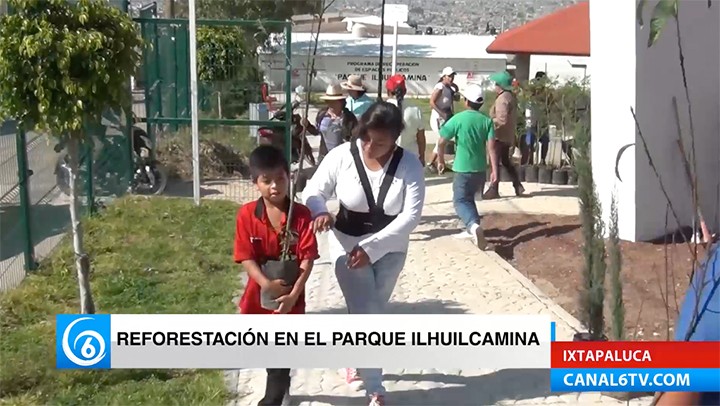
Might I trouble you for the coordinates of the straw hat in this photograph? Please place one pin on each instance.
(354, 82)
(333, 92)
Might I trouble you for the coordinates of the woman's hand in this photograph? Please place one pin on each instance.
(323, 222)
(357, 258)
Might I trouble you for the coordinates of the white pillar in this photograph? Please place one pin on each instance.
(194, 103)
(395, 45)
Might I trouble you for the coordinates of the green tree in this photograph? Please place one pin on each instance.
(228, 68)
(615, 268)
(245, 9)
(62, 65)
(592, 293)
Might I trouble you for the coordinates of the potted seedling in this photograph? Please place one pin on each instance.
(560, 176)
(531, 173)
(545, 174)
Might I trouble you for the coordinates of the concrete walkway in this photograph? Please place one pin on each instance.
(443, 275)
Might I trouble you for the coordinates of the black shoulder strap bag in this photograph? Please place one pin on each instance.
(358, 223)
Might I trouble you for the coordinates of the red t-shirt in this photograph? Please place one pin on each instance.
(256, 239)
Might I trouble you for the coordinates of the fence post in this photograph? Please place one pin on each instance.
(129, 132)
(24, 191)
(288, 91)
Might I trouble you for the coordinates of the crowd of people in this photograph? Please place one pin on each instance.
(372, 161)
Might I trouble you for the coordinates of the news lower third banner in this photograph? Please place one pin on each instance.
(635, 366)
(303, 341)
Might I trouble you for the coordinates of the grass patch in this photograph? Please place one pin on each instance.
(148, 256)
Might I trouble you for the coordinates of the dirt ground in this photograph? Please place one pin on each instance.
(547, 249)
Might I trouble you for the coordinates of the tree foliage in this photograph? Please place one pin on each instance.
(663, 11)
(553, 103)
(592, 293)
(248, 9)
(62, 64)
(228, 66)
(615, 267)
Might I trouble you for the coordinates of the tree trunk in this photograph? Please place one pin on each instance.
(82, 262)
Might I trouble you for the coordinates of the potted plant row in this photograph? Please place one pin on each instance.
(543, 174)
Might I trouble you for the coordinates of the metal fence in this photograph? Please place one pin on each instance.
(34, 211)
(229, 81)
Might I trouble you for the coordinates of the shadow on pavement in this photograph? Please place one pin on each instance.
(48, 220)
(423, 307)
(438, 218)
(488, 389)
(558, 192)
(506, 248)
(438, 180)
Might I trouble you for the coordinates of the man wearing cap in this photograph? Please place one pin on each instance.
(472, 131)
(357, 101)
(504, 116)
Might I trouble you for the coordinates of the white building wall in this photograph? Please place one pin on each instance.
(422, 73)
(628, 74)
(560, 67)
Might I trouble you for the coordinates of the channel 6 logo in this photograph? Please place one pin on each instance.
(82, 341)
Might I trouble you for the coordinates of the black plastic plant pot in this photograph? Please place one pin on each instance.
(586, 337)
(505, 175)
(521, 173)
(288, 271)
(572, 177)
(545, 175)
(560, 177)
(531, 174)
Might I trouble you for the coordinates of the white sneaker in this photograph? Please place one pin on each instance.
(377, 400)
(463, 235)
(478, 236)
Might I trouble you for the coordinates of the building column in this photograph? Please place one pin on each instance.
(522, 67)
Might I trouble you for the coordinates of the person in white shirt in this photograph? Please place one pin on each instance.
(413, 136)
(381, 191)
(442, 103)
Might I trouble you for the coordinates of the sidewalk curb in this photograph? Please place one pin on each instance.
(561, 313)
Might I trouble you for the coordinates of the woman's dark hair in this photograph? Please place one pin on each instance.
(399, 95)
(474, 106)
(381, 116)
(349, 123)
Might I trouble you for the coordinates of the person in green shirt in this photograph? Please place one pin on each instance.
(472, 131)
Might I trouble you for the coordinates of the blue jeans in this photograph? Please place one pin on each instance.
(465, 186)
(367, 290)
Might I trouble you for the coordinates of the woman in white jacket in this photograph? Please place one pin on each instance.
(381, 191)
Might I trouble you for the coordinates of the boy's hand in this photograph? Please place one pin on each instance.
(278, 288)
(287, 302)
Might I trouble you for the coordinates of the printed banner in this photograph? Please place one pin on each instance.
(302, 341)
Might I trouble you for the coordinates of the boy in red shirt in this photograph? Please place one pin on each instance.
(258, 228)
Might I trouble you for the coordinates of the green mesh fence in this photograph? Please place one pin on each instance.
(229, 84)
(34, 212)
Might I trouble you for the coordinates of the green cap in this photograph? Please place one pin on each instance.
(502, 79)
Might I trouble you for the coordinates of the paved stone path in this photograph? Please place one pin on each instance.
(442, 275)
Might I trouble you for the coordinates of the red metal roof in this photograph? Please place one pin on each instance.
(564, 32)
